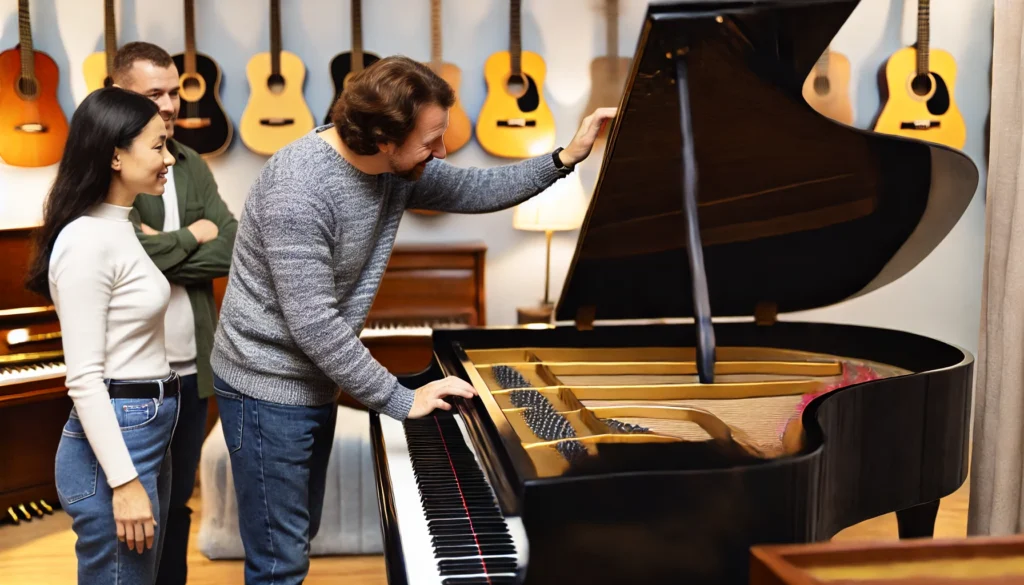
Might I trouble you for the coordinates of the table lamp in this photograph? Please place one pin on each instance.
(560, 207)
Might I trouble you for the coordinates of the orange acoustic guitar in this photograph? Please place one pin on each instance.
(827, 88)
(515, 121)
(918, 93)
(460, 129)
(33, 127)
(607, 74)
(97, 66)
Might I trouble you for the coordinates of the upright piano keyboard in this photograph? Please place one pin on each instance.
(642, 441)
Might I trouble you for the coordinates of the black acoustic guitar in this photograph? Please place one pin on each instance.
(202, 123)
(346, 64)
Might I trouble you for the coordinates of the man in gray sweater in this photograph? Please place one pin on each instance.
(314, 239)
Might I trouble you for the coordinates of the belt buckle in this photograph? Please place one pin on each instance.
(160, 383)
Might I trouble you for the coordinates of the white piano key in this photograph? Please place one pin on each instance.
(31, 373)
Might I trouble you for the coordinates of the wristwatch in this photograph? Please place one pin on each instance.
(558, 161)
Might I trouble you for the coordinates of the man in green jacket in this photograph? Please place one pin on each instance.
(189, 234)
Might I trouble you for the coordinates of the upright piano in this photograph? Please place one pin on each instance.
(641, 441)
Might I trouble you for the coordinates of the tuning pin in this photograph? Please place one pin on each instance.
(24, 512)
(46, 507)
(14, 517)
(35, 509)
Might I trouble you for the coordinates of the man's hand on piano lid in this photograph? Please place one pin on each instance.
(583, 142)
(148, 230)
(431, 396)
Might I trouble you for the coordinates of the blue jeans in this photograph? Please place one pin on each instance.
(147, 426)
(279, 456)
(186, 447)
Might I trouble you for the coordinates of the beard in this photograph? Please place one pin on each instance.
(410, 174)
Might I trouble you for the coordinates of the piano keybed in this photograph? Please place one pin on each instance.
(32, 372)
(452, 531)
(652, 394)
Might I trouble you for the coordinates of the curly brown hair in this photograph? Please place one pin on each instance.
(380, 103)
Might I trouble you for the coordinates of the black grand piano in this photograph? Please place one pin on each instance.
(639, 441)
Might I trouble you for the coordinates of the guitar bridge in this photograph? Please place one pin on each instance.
(192, 123)
(277, 121)
(31, 128)
(517, 122)
(919, 125)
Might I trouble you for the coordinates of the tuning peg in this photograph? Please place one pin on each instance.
(13, 515)
(46, 507)
(24, 512)
(35, 509)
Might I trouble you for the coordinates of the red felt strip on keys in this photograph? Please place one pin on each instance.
(440, 431)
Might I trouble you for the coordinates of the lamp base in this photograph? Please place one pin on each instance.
(541, 314)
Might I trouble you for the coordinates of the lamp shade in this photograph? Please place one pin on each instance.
(562, 206)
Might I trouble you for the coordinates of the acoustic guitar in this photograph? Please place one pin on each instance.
(515, 121)
(345, 65)
(607, 74)
(202, 123)
(827, 88)
(33, 127)
(918, 92)
(98, 66)
(276, 113)
(460, 129)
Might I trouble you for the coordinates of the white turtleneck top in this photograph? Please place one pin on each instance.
(110, 299)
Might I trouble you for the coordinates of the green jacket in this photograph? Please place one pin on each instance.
(180, 257)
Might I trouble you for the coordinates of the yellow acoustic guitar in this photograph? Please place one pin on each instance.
(607, 74)
(919, 101)
(277, 113)
(97, 66)
(515, 121)
(827, 88)
(460, 129)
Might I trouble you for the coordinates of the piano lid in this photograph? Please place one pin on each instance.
(796, 211)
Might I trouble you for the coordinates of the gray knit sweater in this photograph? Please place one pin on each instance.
(313, 241)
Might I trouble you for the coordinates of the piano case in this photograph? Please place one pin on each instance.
(599, 436)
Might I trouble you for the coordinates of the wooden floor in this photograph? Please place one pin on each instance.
(42, 552)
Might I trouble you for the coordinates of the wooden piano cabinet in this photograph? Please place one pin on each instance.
(961, 561)
(31, 422)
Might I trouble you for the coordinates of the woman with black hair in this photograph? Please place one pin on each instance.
(112, 469)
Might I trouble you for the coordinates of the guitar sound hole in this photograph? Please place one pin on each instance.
(190, 84)
(27, 87)
(821, 85)
(275, 83)
(516, 85)
(921, 85)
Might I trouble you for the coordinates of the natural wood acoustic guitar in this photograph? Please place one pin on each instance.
(827, 88)
(515, 120)
(202, 123)
(276, 113)
(33, 127)
(98, 66)
(345, 65)
(918, 92)
(608, 73)
(460, 129)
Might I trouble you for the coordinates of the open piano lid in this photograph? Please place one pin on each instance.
(796, 211)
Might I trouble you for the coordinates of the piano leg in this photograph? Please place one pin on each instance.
(919, 521)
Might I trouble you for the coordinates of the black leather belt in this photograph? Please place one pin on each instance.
(159, 389)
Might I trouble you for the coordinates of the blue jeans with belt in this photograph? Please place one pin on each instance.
(147, 425)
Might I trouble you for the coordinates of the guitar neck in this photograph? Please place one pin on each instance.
(612, 34)
(190, 37)
(435, 34)
(109, 34)
(515, 40)
(28, 61)
(357, 36)
(922, 37)
(275, 37)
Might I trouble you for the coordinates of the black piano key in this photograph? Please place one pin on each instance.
(490, 580)
(483, 549)
(443, 540)
(473, 567)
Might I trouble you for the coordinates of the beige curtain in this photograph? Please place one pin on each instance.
(997, 468)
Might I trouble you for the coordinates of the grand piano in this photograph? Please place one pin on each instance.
(640, 440)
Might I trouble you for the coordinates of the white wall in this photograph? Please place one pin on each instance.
(940, 298)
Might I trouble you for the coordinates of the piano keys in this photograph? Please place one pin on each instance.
(622, 463)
